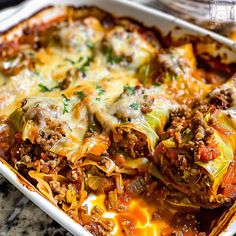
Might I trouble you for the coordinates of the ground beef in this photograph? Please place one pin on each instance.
(146, 105)
(188, 178)
(16, 64)
(132, 143)
(193, 136)
(222, 98)
(136, 186)
(55, 186)
(6, 138)
(75, 174)
(70, 76)
(200, 143)
(48, 129)
(50, 136)
(43, 112)
(185, 222)
(148, 100)
(98, 225)
(65, 83)
(60, 191)
(178, 120)
(41, 149)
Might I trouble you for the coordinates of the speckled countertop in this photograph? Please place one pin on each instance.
(19, 216)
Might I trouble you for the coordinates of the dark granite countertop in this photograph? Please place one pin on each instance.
(19, 216)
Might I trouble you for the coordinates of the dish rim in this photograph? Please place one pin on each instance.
(11, 22)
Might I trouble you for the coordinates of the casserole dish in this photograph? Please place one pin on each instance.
(222, 48)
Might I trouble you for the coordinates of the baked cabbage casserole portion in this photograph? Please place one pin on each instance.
(125, 132)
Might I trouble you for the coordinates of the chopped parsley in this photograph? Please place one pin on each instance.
(80, 59)
(98, 86)
(80, 95)
(71, 61)
(83, 68)
(82, 63)
(157, 84)
(134, 106)
(44, 88)
(98, 99)
(100, 90)
(111, 57)
(65, 97)
(65, 109)
(90, 45)
(65, 103)
(37, 73)
(129, 89)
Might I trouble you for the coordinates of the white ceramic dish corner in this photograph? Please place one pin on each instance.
(150, 17)
(53, 211)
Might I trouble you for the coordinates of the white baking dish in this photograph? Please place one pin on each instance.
(149, 17)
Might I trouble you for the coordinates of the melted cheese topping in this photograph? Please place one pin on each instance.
(88, 72)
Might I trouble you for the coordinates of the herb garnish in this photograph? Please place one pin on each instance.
(65, 97)
(71, 61)
(157, 84)
(82, 63)
(98, 99)
(83, 68)
(134, 106)
(90, 45)
(37, 73)
(100, 90)
(65, 103)
(129, 89)
(44, 88)
(80, 95)
(111, 57)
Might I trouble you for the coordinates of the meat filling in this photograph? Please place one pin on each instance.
(193, 139)
(132, 143)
